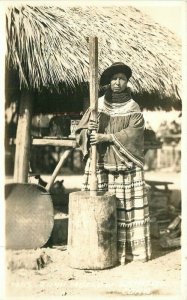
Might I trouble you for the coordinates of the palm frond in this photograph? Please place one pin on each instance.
(48, 45)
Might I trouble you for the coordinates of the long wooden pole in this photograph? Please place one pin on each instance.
(58, 167)
(93, 63)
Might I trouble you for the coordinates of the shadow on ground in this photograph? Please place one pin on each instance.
(157, 251)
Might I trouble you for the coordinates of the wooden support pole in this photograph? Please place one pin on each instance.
(93, 63)
(23, 138)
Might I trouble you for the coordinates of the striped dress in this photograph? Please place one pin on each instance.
(120, 171)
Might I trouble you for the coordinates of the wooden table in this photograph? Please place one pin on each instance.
(63, 142)
(160, 188)
(154, 184)
(68, 144)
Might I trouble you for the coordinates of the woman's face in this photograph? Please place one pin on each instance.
(118, 82)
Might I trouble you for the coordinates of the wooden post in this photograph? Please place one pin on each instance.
(23, 138)
(93, 63)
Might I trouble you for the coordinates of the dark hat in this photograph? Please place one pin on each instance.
(115, 68)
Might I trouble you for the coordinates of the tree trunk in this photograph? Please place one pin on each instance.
(92, 231)
(23, 138)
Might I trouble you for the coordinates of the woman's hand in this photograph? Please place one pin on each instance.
(96, 138)
(92, 125)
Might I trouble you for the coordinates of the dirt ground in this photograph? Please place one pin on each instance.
(158, 277)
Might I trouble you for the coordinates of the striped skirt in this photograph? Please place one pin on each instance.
(133, 225)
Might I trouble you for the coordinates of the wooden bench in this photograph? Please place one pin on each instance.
(159, 188)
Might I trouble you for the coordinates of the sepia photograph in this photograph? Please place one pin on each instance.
(93, 135)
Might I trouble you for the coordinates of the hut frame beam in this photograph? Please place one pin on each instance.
(23, 138)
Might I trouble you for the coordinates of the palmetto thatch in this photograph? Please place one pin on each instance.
(49, 45)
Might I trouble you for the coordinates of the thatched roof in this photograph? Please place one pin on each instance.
(48, 45)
